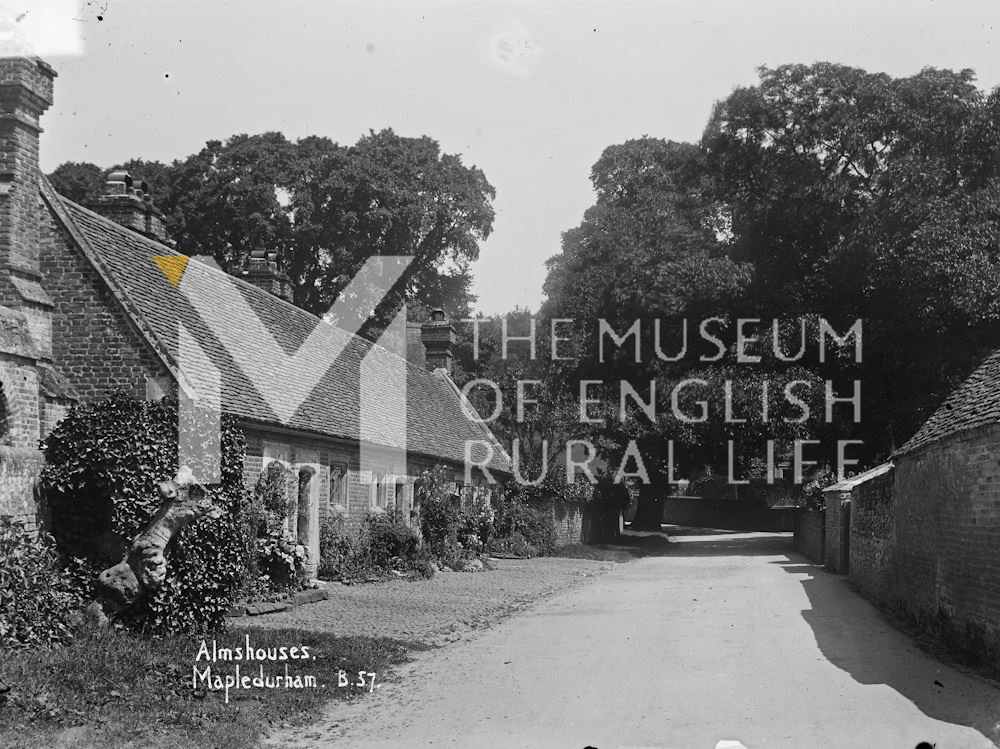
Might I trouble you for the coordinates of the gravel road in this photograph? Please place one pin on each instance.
(724, 638)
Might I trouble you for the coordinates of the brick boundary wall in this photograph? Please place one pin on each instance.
(873, 515)
(810, 533)
(833, 557)
(580, 522)
(942, 557)
(19, 470)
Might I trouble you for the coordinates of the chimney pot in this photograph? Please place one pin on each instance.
(128, 202)
(262, 271)
(439, 341)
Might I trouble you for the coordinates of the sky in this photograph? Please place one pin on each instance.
(530, 92)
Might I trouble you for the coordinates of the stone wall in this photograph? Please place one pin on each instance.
(19, 469)
(810, 533)
(873, 513)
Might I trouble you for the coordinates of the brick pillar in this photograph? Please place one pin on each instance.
(25, 308)
(25, 93)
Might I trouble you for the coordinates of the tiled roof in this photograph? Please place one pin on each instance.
(975, 403)
(438, 424)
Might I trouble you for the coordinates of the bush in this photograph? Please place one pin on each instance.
(335, 547)
(393, 543)
(38, 597)
(103, 464)
(383, 543)
(440, 512)
(516, 520)
(279, 563)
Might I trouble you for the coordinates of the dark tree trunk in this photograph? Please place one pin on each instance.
(649, 509)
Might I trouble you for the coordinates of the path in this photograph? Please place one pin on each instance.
(730, 636)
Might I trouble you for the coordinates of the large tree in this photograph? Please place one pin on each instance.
(325, 209)
(858, 195)
(822, 192)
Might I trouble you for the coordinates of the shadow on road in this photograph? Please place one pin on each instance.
(853, 636)
(707, 542)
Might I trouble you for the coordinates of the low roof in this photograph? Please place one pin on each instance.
(438, 422)
(974, 403)
(847, 484)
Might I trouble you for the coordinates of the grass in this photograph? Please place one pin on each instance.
(124, 690)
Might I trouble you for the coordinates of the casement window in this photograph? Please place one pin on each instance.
(338, 485)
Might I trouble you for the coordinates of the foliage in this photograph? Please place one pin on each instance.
(279, 560)
(383, 543)
(326, 209)
(393, 543)
(78, 181)
(859, 195)
(335, 547)
(517, 521)
(440, 511)
(271, 492)
(103, 462)
(38, 596)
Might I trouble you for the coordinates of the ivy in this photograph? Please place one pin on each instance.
(103, 463)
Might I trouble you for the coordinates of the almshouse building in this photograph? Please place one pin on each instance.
(92, 301)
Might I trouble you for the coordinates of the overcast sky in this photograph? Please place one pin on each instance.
(531, 92)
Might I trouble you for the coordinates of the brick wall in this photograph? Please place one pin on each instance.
(19, 468)
(836, 531)
(944, 554)
(810, 533)
(873, 513)
(19, 388)
(95, 345)
(579, 522)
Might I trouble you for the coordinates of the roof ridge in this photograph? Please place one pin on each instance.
(256, 290)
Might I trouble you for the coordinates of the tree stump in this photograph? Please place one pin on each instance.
(143, 569)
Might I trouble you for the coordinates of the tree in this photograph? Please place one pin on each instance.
(858, 195)
(325, 209)
(77, 180)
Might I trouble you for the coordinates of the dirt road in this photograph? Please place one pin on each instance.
(728, 637)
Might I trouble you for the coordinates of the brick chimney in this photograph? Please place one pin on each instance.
(25, 93)
(128, 202)
(262, 271)
(25, 307)
(439, 339)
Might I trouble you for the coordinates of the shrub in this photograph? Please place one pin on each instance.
(393, 543)
(103, 464)
(335, 547)
(439, 513)
(279, 561)
(516, 517)
(383, 543)
(38, 597)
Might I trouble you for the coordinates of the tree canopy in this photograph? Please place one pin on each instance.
(325, 208)
(823, 192)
